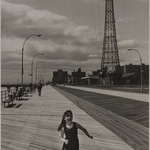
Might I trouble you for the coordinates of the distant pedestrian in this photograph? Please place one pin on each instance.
(39, 88)
(69, 131)
(35, 86)
(30, 85)
(19, 93)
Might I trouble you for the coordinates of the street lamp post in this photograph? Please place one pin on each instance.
(140, 67)
(37, 69)
(32, 66)
(22, 72)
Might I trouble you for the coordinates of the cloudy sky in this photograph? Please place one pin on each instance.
(72, 35)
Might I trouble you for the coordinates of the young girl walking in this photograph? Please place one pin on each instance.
(69, 131)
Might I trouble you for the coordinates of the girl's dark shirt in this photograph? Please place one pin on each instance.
(72, 137)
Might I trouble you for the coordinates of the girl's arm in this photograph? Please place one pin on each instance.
(84, 130)
(61, 134)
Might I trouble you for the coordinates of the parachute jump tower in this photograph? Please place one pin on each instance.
(110, 58)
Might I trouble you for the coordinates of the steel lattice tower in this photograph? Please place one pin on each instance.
(110, 57)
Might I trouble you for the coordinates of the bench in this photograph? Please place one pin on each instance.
(9, 99)
(26, 92)
(19, 93)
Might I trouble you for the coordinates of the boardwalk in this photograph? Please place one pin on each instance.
(32, 125)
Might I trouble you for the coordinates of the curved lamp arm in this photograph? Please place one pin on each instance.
(138, 53)
(28, 38)
(36, 55)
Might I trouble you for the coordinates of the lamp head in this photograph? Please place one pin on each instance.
(129, 49)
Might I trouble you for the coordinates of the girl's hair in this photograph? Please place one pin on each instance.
(63, 122)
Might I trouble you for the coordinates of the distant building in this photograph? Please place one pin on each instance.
(95, 77)
(60, 77)
(131, 74)
(76, 77)
(103, 78)
(96, 73)
(128, 75)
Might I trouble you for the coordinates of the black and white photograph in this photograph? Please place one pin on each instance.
(75, 74)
